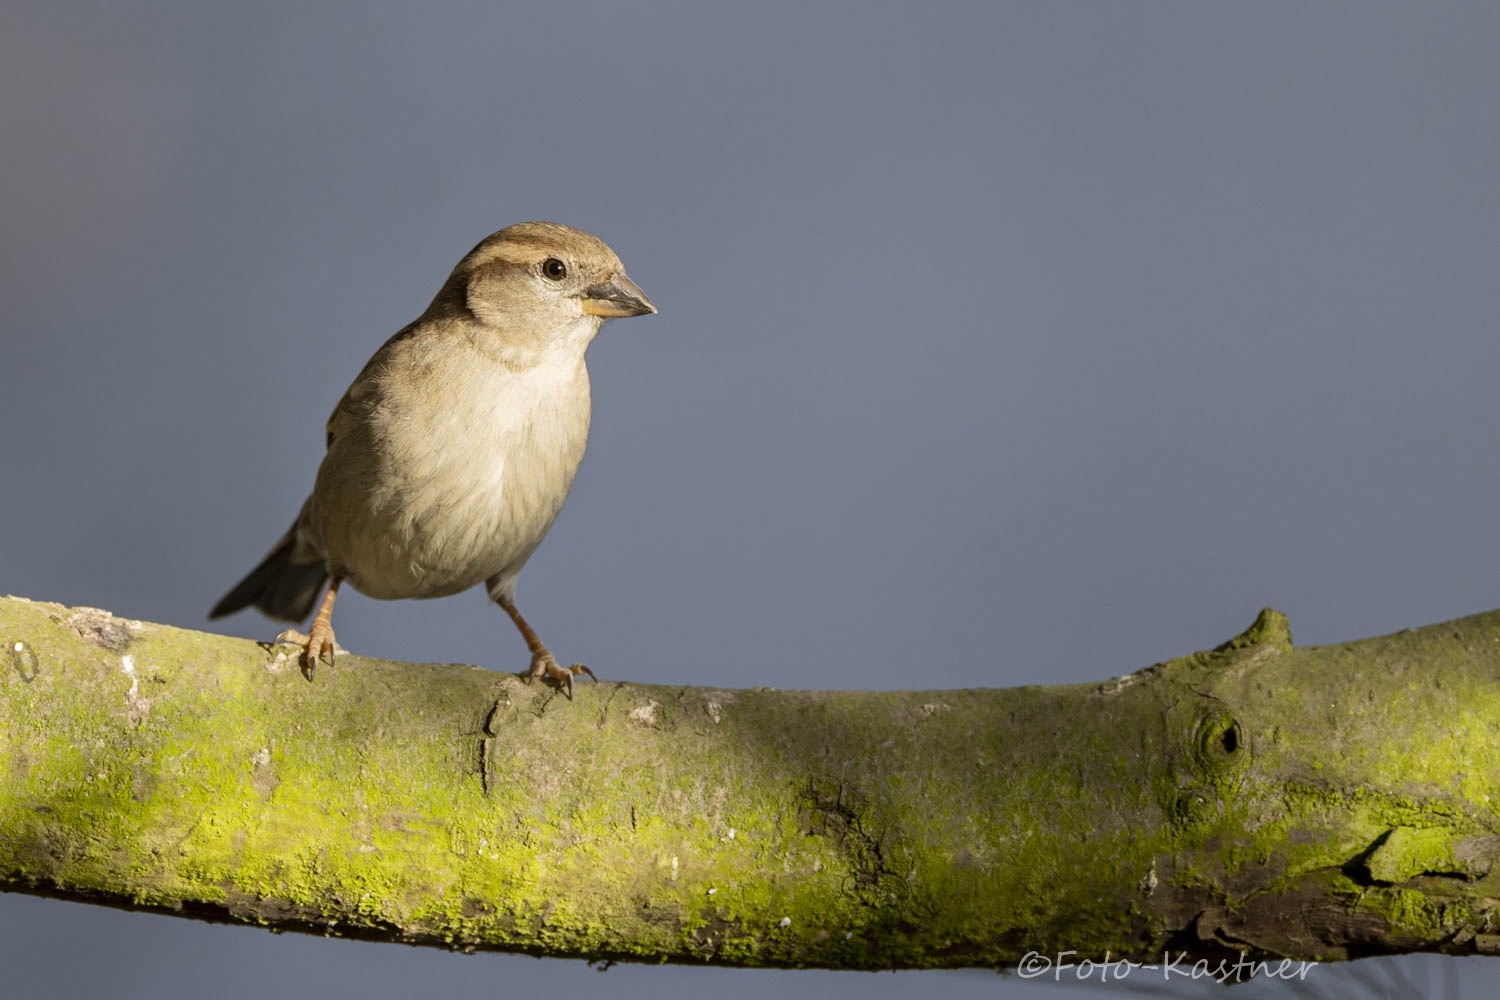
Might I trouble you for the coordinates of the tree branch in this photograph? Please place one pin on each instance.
(1318, 803)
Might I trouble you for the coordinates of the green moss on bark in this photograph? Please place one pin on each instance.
(1212, 801)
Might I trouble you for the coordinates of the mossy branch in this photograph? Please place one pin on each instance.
(1318, 803)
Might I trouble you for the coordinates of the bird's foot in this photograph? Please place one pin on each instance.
(313, 644)
(544, 664)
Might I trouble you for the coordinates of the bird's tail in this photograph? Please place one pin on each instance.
(284, 586)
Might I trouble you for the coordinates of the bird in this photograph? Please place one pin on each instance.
(451, 453)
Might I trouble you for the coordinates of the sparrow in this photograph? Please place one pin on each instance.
(453, 450)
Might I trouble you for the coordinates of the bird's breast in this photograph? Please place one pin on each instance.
(467, 467)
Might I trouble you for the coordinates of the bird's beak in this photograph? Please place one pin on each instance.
(615, 298)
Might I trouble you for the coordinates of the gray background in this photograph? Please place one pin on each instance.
(999, 344)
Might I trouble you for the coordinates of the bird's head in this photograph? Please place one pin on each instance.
(544, 280)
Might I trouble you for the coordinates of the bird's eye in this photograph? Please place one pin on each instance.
(554, 269)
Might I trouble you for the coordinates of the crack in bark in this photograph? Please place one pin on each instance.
(839, 813)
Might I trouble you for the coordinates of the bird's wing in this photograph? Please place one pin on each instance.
(360, 394)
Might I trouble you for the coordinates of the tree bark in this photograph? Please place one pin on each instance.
(1257, 800)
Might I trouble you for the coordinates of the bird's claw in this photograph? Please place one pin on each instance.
(545, 665)
(314, 645)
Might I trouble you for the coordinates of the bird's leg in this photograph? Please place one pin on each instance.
(542, 660)
(320, 638)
